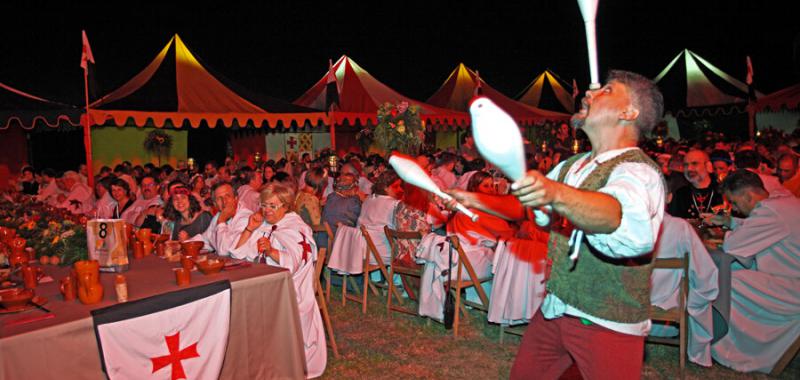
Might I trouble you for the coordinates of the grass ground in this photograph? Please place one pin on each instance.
(380, 346)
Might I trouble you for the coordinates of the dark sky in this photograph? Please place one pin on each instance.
(282, 49)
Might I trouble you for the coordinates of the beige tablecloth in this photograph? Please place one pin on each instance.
(265, 338)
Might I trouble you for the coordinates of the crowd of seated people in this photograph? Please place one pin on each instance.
(260, 212)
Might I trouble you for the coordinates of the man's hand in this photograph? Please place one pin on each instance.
(536, 190)
(718, 220)
(226, 214)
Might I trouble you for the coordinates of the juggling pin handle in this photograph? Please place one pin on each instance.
(472, 216)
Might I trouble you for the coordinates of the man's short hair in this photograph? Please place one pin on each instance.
(645, 97)
(747, 159)
(220, 184)
(740, 180)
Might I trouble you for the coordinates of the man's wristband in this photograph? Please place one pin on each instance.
(250, 231)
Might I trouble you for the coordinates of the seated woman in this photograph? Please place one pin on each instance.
(279, 237)
(416, 212)
(377, 210)
(201, 192)
(479, 238)
(121, 192)
(307, 204)
(344, 204)
(185, 213)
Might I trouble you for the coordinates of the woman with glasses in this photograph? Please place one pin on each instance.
(185, 213)
(277, 236)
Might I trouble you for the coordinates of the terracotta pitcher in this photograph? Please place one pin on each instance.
(18, 255)
(145, 237)
(89, 288)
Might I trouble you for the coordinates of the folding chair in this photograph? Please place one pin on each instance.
(323, 306)
(458, 284)
(678, 314)
(402, 270)
(786, 358)
(326, 229)
(372, 251)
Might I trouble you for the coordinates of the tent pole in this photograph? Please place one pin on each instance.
(87, 133)
(332, 124)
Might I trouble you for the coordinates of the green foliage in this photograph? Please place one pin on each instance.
(399, 128)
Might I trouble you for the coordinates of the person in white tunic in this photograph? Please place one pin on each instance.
(49, 191)
(377, 210)
(227, 225)
(79, 198)
(105, 205)
(765, 303)
(276, 236)
(677, 239)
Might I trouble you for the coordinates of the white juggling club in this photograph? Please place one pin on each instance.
(589, 13)
(497, 138)
(411, 172)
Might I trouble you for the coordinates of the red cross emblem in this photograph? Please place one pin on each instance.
(176, 355)
(306, 247)
(291, 142)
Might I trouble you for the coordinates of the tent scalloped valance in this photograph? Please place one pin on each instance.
(18, 121)
(178, 119)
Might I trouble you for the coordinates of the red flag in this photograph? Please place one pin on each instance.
(575, 91)
(478, 86)
(86, 53)
(749, 80)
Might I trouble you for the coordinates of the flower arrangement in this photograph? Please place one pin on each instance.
(158, 142)
(399, 128)
(49, 231)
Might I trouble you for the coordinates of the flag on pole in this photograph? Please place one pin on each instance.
(751, 91)
(86, 54)
(478, 86)
(331, 88)
(178, 335)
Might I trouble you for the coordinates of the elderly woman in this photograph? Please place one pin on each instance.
(378, 210)
(185, 213)
(279, 237)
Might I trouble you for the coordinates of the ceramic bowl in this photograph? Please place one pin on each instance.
(210, 266)
(191, 248)
(15, 297)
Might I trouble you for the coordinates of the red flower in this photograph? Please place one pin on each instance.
(394, 113)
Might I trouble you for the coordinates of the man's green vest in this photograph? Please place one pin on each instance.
(612, 289)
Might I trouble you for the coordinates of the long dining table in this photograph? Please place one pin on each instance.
(265, 339)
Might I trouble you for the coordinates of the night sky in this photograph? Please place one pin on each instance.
(281, 49)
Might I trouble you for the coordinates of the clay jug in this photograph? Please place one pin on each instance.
(89, 288)
(145, 236)
(68, 285)
(18, 255)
